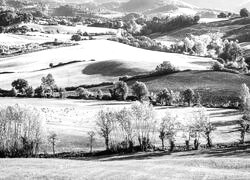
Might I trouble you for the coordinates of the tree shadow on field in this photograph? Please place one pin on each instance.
(226, 123)
(235, 151)
(137, 156)
(225, 113)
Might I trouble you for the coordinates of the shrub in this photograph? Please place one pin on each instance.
(13, 92)
(25, 133)
(76, 37)
(140, 90)
(244, 12)
(216, 66)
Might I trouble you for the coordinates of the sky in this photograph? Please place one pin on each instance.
(218, 4)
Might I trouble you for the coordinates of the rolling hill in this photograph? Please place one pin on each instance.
(124, 60)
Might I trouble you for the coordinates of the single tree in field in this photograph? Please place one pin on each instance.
(91, 135)
(188, 96)
(244, 12)
(52, 140)
(121, 88)
(168, 129)
(140, 90)
(20, 85)
(104, 124)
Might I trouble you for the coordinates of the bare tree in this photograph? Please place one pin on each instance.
(104, 124)
(91, 135)
(52, 140)
(144, 123)
(168, 129)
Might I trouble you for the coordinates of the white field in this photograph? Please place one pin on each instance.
(146, 168)
(29, 66)
(72, 119)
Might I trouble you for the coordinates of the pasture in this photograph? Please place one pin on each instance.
(71, 120)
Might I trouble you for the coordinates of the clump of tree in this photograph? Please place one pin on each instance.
(140, 90)
(21, 132)
(166, 68)
(125, 126)
(21, 87)
(188, 96)
(76, 37)
(83, 93)
(166, 97)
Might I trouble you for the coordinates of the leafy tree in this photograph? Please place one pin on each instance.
(29, 91)
(76, 37)
(20, 85)
(140, 90)
(168, 129)
(121, 88)
(188, 96)
(244, 12)
(104, 124)
(216, 66)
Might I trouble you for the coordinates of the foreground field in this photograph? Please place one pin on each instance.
(73, 119)
(165, 167)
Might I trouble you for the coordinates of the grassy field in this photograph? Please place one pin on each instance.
(72, 119)
(148, 168)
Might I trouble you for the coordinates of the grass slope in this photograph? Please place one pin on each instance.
(123, 57)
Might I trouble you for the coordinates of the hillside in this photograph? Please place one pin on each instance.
(122, 58)
(236, 28)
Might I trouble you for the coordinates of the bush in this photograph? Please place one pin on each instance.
(217, 66)
(76, 37)
(140, 90)
(25, 133)
(244, 12)
(39, 92)
(166, 67)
